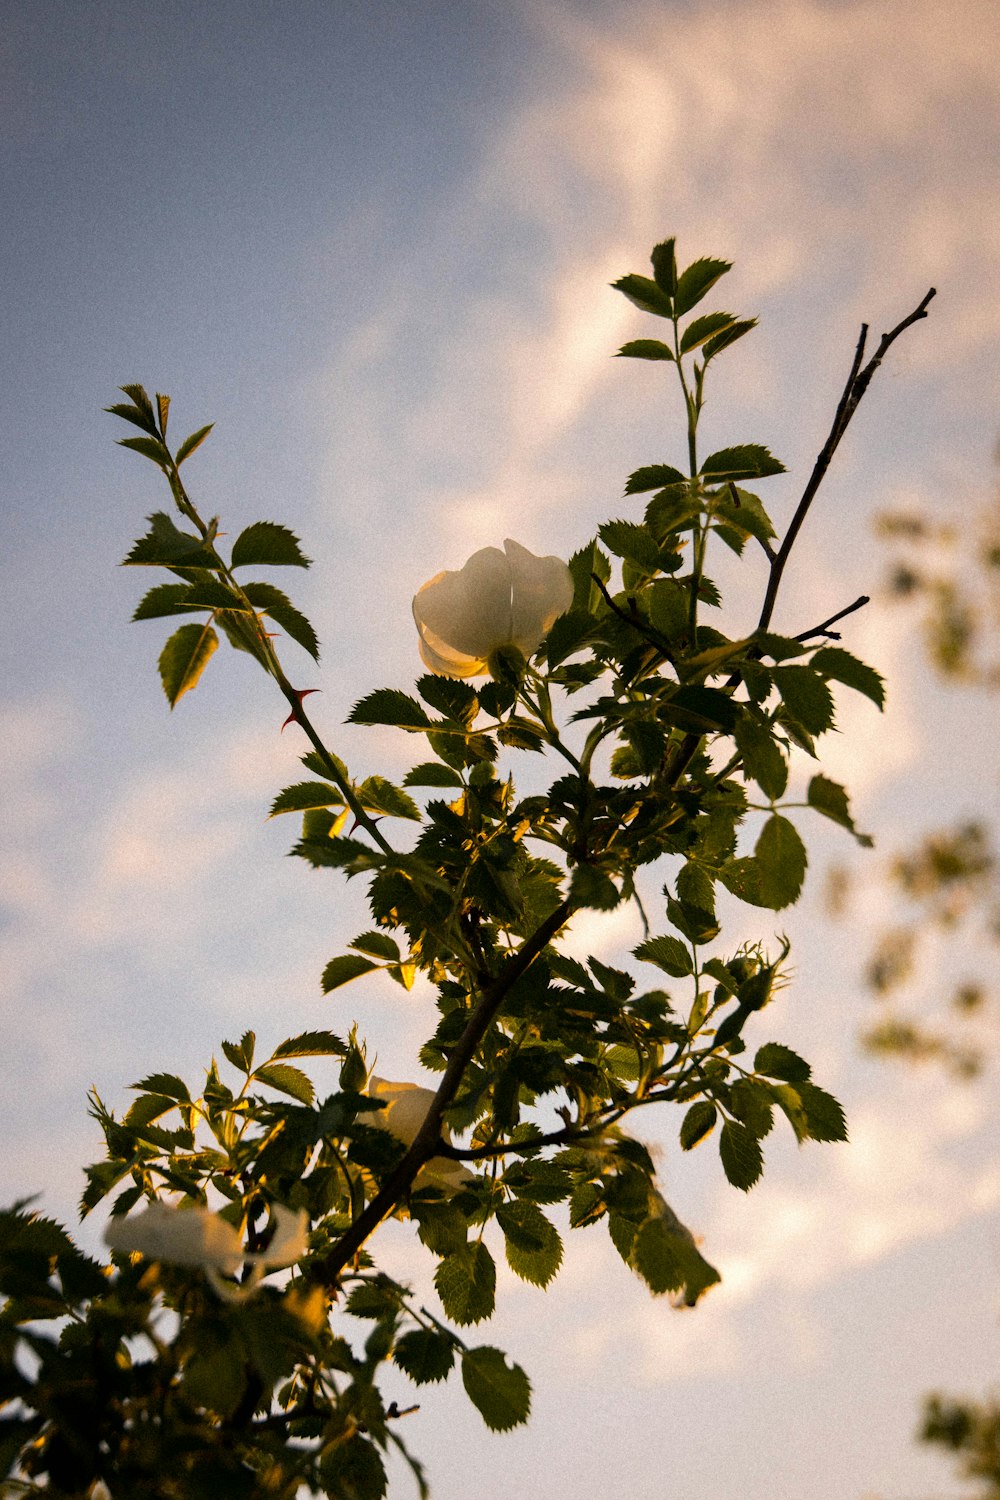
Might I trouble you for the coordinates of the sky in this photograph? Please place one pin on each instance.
(372, 243)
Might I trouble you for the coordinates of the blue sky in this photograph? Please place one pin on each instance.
(373, 244)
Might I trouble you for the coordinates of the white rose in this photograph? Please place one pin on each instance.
(194, 1236)
(406, 1110)
(509, 598)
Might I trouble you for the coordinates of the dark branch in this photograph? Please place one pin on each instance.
(858, 382)
(824, 629)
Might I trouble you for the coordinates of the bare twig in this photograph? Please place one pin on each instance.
(857, 383)
(824, 629)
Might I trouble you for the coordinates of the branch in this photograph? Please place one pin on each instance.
(824, 629)
(857, 383)
(425, 1142)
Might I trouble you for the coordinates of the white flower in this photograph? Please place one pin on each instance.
(509, 598)
(406, 1110)
(194, 1236)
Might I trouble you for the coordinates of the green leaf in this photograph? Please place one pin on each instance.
(165, 545)
(287, 1080)
(164, 1083)
(653, 477)
(668, 954)
(590, 887)
(630, 540)
(830, 798)
(728, 336)
(749, 516)
(466, 1284)
(210, 593)
(534, 1249)
(184, 658)
(702, 329)
(748, 461)
(345, 968)
(697, 1123)
(150, 448)
(646, 349)
(140, 414)
(698, 279)
(776, 1061)
(191, 443)
(266, 543)
(376, 794)
(283, 612)
(164, 599)
(762, 756)
(806, 696)
(664, 260)
(751, 1104)
(378, 945)
(742, 1159)
(499, 1391)
(644, 294)
(773, 876)
(389, 706)
(432, 773)
(669, 1262)
(305, 795)
(312, 1044)
(425, 1355)
(700, 710)
(824, 1115)
(450, 696)
(241, 1054)
(834, 662)
(351, 1469)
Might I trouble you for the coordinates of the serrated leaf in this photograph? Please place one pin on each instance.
(450, 696)
(645, 349)
(776, 1061)
(773, 876)
(287, 1080)
(762, 756)
(833, 661)
(728, 336)
(432, 773)
(499, 1391)
(630, 540)
(241, 1054)
(191, 443)
(645, 294)
(742, 1159)
(806, 696)
(282, 611)
(830, 798)
(139, 413)
(165, 545)
(697, 1123)
(377, 945)
(163, 412)
(669, 1261)
(702, 329)
(698, 279)
(165, 599)
(590, 887)
(533, 1246)
(747, 461)
(265, 543)
(466, 1284)
(164, 1083)
(312, 1044)
(824, 1115)
(664, 262)
(211, 593)
(305, 795)
(376, 794)
(389, 706)
(653, 477)
(149, 447)
(425, 1355)
(668, 954)
(749, 516)
(343, 969)
(183, 659)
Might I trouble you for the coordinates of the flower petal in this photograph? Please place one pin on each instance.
(469, 611)
(541, 589)
(187, 1236)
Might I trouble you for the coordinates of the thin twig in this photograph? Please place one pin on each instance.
(636, 621)
(857, 383)
(824, 629)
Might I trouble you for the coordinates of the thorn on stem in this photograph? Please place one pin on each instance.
(300, 693)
